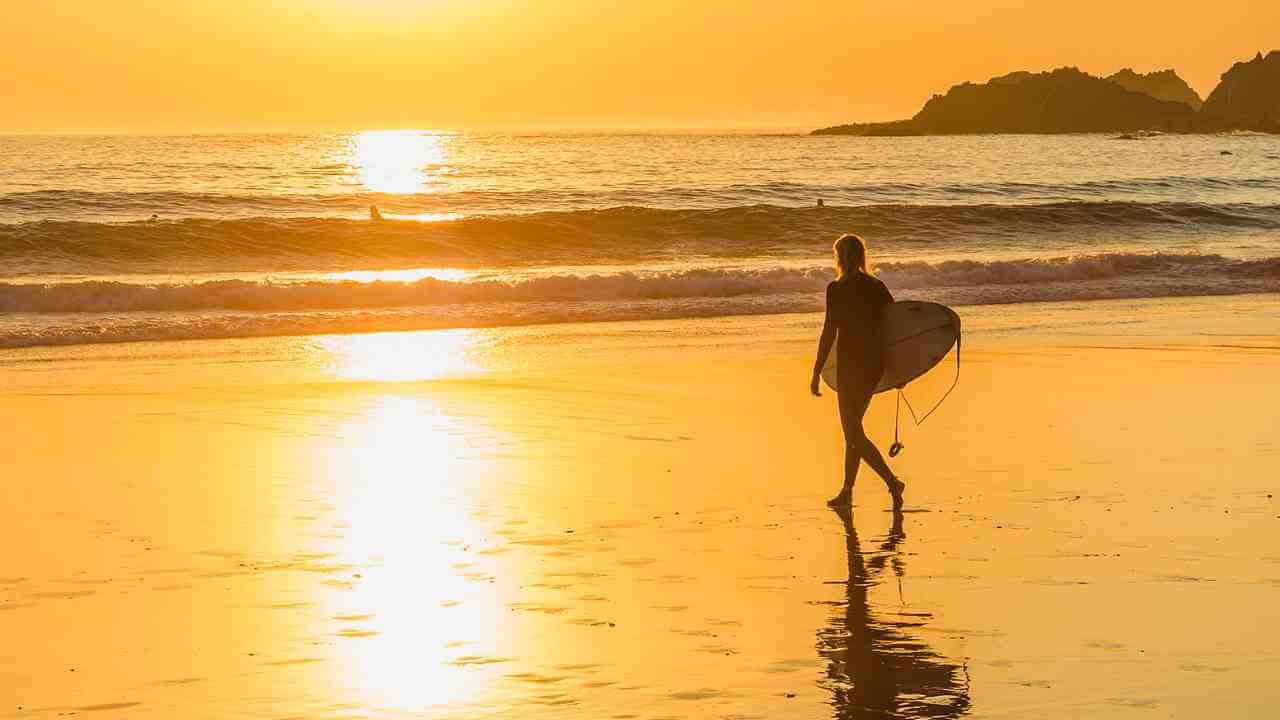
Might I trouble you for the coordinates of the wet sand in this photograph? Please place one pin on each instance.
(625, 520)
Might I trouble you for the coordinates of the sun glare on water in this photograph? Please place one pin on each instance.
(400, 162)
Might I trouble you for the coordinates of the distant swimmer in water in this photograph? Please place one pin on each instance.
(821, 203)
(374, 213)
(855, 302)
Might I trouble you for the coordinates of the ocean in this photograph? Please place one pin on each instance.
(114, 239)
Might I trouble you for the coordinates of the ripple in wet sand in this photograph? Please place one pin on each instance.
(107, 706)
(478, 660)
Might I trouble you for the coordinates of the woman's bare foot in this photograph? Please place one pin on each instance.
(844, 499)
(896, 487)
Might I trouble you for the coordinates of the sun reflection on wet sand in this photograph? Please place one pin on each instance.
(404, 478)
(400, 162)
(402, 356)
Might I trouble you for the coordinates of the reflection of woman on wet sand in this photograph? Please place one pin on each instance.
(876, 670)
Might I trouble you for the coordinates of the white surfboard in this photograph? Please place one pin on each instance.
(917, 336)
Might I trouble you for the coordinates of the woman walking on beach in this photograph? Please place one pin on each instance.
(855, 303)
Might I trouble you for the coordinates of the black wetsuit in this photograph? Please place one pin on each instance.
(855, 305)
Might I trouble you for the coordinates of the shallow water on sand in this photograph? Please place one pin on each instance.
(598, 521)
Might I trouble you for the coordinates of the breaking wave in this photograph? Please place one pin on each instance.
(625, 234)
(109, 311)
(99, 296)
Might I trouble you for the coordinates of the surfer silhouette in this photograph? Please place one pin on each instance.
(855, 303)
(875, 668)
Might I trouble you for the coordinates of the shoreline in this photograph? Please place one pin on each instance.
(399, 320)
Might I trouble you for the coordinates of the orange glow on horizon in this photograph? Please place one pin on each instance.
(241, 65)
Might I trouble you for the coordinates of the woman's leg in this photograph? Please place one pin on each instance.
(851, 462)
(869, 452)
(853, 406)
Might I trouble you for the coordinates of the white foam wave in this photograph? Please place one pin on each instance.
(698, 282)
(97, 312)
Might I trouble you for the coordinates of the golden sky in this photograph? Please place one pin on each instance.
(174, 66)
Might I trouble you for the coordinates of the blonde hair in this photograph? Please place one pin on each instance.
(851, 255)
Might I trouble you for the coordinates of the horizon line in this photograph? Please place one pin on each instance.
(530, 131)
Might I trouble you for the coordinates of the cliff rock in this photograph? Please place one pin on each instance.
(1162, 85)
(1062, 101)
(1249, 95)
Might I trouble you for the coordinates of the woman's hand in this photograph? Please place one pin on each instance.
(815, 385)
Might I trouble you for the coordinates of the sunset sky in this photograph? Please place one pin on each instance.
(244, 65)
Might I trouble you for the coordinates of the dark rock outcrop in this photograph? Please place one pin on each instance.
(1062, 101)
(1069, 101)
(1248, 97)
(1162, 85)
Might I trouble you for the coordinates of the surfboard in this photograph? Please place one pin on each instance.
(917, 336)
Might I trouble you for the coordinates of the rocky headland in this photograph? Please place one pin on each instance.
(1068, 100)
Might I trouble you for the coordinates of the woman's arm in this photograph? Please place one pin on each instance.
(825, 342)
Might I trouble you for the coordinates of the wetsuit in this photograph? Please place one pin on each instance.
(855, 305)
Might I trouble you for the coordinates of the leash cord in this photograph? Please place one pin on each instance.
(918, 421)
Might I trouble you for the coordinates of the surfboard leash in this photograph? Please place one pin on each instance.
(897, 446)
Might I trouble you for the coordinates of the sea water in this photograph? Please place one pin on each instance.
(108, 239)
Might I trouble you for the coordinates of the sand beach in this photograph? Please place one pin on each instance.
(626, 520)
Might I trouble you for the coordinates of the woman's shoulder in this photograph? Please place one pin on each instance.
(870, 286)
(881, 290)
